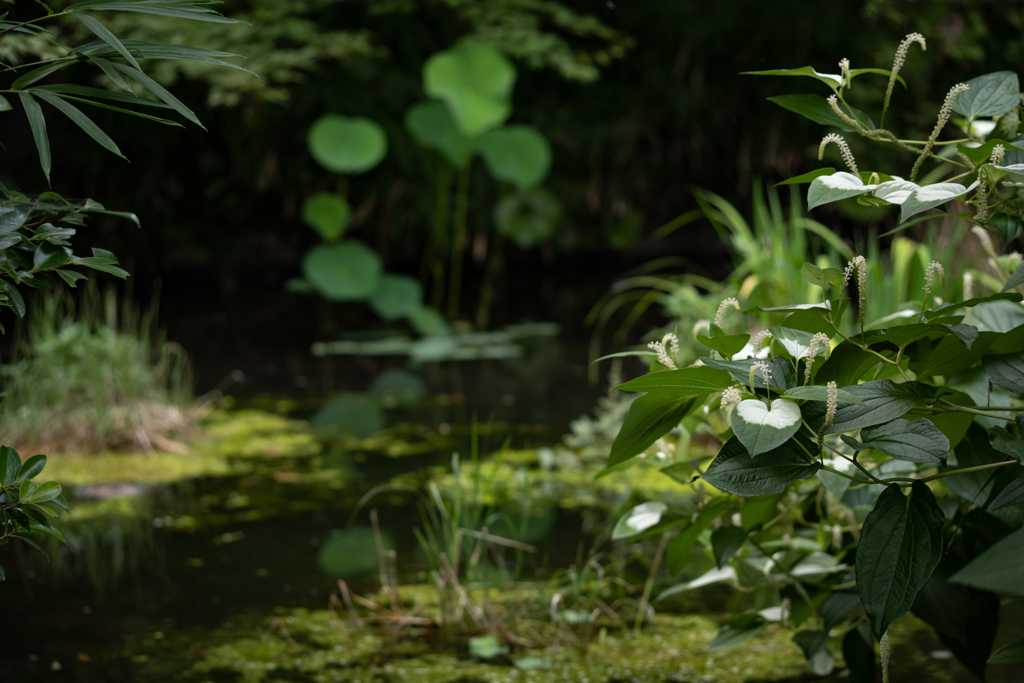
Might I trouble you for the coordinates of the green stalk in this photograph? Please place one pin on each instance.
(458, 242)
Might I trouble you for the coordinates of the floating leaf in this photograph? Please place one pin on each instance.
(516, 154)
(475, 81)
(349, 271)
(328, 214)
(432, 125)
(528, 217)
(397, 296)
(347, 145)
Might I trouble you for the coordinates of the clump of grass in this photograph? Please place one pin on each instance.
(90, 375)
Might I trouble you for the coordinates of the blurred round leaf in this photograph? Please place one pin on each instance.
(349, 271)
(349, 415)
(431, 125)
(327, 214)
(475, 81)
(396, 297)
(516, 154)
(528, 217)
(350, 552)
(347, 145)
(428, 322)
(396, 387)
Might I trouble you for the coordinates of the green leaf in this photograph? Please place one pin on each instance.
(810, 642)
(397, 296)
(726, 542)
(684, 382)
(1011, 496)
(104, 34)
(432, 125)
(807, 177)
(909, 440)
(349, 271)
(948, 308)
(42, 493)
(931, 196)
(796, 342)
(900, 546)
(740, 629)
(681, 547)
(475, 81)
(1016, 278)
(1011, 653)
(161, 92)
(40, 73)
(37, 122)
(328, 214)
(650, 417)
(759, 510)
(486, 647)
(989, 95)
(831, 80)
(820, 393)
(347, 145)
(118, 78)
(735, 471)
(181, 11)
(983, 152)
(728, 344)
(32, 467)
(998, 569)
(976, 450)
(81, 120)
(709, 577)
(817, 109)
(84, 91)
(832, 188)
(17, 302)
(528, 217)
(1006, 370)
(627, 354)
(965, 619)
(638, 519)
(10, 465)
(883, 400)
(819, 277)
(846, 365)
(516, 154)
(896, 191)
(782, 377)
(761, 429)
(859, 655)
(4, 104)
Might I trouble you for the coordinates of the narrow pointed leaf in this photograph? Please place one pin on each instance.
(119, 79)
(80, 119)
(37, 122)
(650, 417)
(998, 569)
(104, 34)
(160, 92)
(900, 546)
(684, 382)
(726, 542)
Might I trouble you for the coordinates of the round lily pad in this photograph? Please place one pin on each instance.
(347, 145)
(397, 387)
(349, 271)
(349, 415)
(432, 125)
(475, 81)
(529, 217)
(328, 214)
(396, 297)
(516, 154)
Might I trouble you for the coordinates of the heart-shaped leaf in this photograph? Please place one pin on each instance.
(761, 429)
(896, 191)
(930, 196)
(432, 125)
(900, 546)
(475, 81)
(989, 95)
(910, 440)
(832, 188)
(640, 518)
(516, 154)
(884, 400)
(349, 271)
(396, 297)
(734, 471)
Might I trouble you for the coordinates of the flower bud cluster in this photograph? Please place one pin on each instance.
(897, 64)
(929, 276)
(766, 373)
(669, 341)
(843, 148)
(730, 397)
(818, 341)
(860, 265)
(758, 341)
(723, 308)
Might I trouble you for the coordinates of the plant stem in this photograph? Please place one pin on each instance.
(458, 242)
